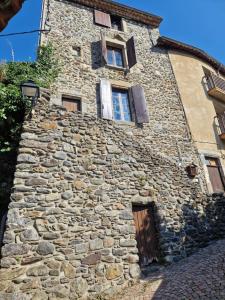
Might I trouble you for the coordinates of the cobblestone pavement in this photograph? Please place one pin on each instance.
(201, 276)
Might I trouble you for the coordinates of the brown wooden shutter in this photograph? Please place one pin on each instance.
(71, 104)
(139, 103)
(104, 48)
(102, 18)
(106, 99)
(131, 53)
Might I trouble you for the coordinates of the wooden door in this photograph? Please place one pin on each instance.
(71, 104)
(215, 174)
(146, 234)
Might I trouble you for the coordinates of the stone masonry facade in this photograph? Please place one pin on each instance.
(70, 231)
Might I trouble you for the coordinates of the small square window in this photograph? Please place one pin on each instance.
(116, 23)
(121, 105)
(115, 57)
(71, 104)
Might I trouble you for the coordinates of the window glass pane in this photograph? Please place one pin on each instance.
(126, 107)
(110, 56)
(116, 106)
(119, 57)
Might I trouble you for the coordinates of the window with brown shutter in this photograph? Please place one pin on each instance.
(71, 104)
(107, 20)
(118, 54)
(123, 104)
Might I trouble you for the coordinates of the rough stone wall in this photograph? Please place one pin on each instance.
(73, 25)
(70, 230)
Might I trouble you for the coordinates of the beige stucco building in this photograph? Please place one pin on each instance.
(201, 83)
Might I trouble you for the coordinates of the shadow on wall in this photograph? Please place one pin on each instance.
(7, 167)
(202, 226)
(201, 223)
(96, 56)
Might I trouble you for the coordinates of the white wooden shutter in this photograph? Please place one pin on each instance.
(106, 99)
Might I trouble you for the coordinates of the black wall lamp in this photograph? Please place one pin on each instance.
(31, 91)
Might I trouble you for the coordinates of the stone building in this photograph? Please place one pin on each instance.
(201, 82)
(101, 185)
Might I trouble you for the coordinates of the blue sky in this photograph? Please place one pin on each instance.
(200, 23)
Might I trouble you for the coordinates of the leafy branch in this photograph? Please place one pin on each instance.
(12, 105)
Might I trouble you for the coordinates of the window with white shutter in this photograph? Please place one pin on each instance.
(123, 104)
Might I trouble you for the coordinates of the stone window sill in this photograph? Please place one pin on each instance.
(124, 123)
(117, 31)
(116, 68)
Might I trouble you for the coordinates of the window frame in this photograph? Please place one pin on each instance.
(211, 154)
(114, 19)
(121, 90)
(71, 98)
(114, 49)
(128, 51)
(216, 165)
(136, 97)
(113, 43)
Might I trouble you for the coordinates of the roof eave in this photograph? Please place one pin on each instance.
(176, 45)
(122, 10)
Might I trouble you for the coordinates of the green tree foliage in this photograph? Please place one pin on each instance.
(12, 105)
